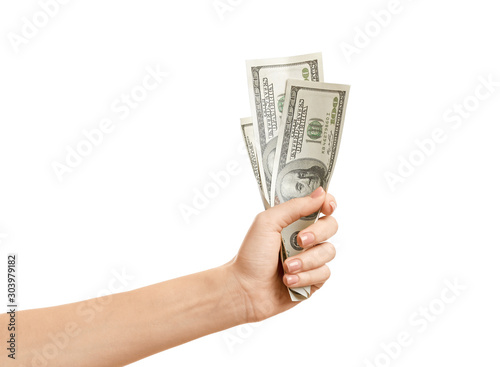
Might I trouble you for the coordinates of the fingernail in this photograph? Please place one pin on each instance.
(317, 193)
(306, 239)
(293, 265)
(333, 205)
(292, 279)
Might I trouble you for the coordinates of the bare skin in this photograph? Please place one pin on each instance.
(129, 326)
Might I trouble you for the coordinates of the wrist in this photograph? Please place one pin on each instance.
(241, 306)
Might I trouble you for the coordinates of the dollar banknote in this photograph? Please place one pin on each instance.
(249, 138)
(266, 82)
(306, 152)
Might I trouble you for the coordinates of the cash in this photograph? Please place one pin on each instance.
(249, 138)
(293, 136)
(266, 83)
(306, 152)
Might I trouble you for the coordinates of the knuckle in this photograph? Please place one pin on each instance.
(330, 250)
(332, 226)
(327, 272)
(261, 218)
(328, 226)
(308, 260)
(317, 255)
(325, 252)
(304, 278)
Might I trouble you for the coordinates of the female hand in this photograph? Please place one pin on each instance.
(257, 266)
(249, 288)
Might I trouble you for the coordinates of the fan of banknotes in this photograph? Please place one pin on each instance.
(293, 136)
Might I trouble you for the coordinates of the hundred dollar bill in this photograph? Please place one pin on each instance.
(266, 82)
(249, 137)
(306, 152)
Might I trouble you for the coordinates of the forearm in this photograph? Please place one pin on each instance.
(129, 326)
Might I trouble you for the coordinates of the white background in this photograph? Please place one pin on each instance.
(119, 210)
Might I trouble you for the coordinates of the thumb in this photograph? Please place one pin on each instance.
(286, 213)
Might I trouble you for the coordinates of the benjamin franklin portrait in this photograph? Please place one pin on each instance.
(300, 178)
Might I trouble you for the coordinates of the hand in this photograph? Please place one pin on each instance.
(257, 266)
(247, 289)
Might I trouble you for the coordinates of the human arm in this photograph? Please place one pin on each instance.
(132, 325)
